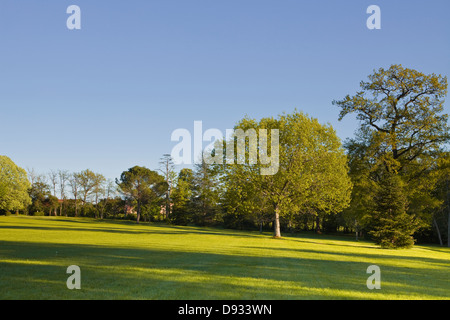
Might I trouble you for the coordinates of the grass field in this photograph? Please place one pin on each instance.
(122, 260)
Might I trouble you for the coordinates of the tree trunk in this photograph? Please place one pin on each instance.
(138, 217)
(448, 228)
(167, 213)
(438, 232)
(317, 224)
(277, 232)
(448, 221)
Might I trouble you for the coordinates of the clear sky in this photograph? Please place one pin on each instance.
(108, 96)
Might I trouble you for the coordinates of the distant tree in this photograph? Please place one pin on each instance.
(142, 185)
(14, 186)
(167, 170)
(87, 182)
(32, 175)
(205, 194)
(98, 191)
(114, 206)
(63, 176)
(182, 197)
(400, 111)
(51, 203)
(53, 177)
(108, 192)
(39, 193)
(75, 188)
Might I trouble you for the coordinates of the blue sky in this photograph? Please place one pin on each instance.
(108, 96)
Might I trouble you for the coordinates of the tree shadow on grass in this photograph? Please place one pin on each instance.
(445, 263)
(38, 271)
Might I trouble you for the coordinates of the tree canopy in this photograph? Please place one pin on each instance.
(402, 131)
(14, 186)
(400, 114)
(142, 185)
(312, 174)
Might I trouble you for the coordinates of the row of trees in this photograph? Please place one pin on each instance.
(398, 161)
(390, 182)
(63, 193)
(139, 191)
(396, 169)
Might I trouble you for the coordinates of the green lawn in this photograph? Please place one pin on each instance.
(122, 260)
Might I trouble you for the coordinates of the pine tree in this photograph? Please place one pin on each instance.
(392, 226)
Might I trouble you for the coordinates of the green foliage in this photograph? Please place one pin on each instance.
(182, 197)
(14, 186)
(39, 192)
(312, 175)
(90, 183)
(205, 195)
(392, 226)
(143, 186)
(400, 111)
(402, 128)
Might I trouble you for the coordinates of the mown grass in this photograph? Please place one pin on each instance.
(122, 260)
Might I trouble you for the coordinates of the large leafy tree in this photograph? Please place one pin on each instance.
(401, 115)
(167, 169)
(402, 129)
(14, 186)
(143, 186)
(312, 169)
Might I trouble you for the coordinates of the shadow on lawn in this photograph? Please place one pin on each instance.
(167, 229)
(38, 271)
(445, 263)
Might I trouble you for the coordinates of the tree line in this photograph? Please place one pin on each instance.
(389, 183)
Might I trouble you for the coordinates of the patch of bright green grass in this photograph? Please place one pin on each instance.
(123, 260)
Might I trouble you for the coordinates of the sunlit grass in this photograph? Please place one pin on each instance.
(122, 260)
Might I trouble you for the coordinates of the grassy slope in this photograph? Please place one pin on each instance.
(122, 260)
